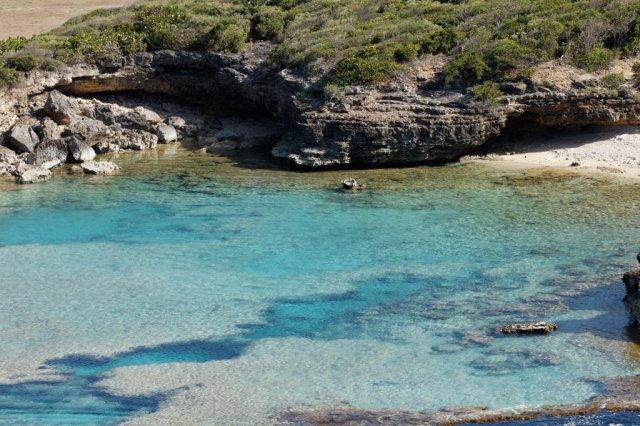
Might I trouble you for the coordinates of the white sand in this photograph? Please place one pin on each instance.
(607, 150)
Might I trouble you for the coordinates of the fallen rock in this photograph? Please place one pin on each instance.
(105, 113)
(79, 150)
(23, 138)
(99, 167)
(90, 130)
(50, 153)
(7, 156)
(148, 115)
(49, 130)
(61, 108)
(134, 120)
(7, 169)
(137, 140)
(166, 133)
(177, 122)
(32, 174)
(530, 328)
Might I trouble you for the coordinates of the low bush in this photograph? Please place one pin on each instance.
(487, 93)
(267, 24)
(358, 71)
(636, 72)
(594, 59)
(24, 62)
(228, 36)
(8, 75)
(406, 53)
(612, 80)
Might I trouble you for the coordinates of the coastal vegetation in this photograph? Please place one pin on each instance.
(352, 42)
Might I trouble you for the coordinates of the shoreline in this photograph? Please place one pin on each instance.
(604, 151)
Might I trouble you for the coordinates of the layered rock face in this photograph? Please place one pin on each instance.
(405, 122)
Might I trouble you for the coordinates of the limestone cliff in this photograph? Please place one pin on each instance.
(398, 123)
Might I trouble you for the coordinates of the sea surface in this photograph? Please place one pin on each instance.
(231, 291)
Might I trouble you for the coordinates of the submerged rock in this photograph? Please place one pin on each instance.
(99, 167)
(530, 328)
(32, 174)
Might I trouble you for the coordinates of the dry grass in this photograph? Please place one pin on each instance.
(30, 17)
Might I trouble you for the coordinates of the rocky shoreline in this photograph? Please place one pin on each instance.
(411, 120)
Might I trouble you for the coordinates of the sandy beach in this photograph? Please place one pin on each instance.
(611, 150)
(29, 17)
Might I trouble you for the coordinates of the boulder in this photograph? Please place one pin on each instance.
(99, 167)
(62, 109)
(530, 328)
(79, 150)
(7, 169)
(134, 120)
(166, 133)
(49, 130)
(177, 122)
(148, 115)
(7, 156)
(32, 174)
(50, 153)
(23, 138)
(106, 114)
(137, 140)
(105, 146)
(90, 130)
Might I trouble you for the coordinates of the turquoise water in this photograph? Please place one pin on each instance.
(296, 294)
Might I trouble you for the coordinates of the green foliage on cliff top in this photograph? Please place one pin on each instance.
(361, 41)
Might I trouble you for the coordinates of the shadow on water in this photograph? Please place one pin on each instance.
(321, 317)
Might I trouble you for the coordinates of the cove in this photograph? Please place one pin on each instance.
(386, 299)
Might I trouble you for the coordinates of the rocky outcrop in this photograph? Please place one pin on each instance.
(99, 167)
(23, 138)
(529, 328)
(403, 122)
(32, 174)
(631, 282)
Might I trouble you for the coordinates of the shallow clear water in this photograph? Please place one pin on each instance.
(388, 298)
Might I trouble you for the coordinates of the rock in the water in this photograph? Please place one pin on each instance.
(99, 167)
(32, 174)
(166, 133)
(50, 153)
(61, 108)
(7, 156)
(137, 140)
(631, 282)
(23, 138)
(531, 328)
(80, 151)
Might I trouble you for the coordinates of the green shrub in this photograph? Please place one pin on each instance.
(439, 42)
(50, 64)
(470, 67)
(8, 75)
(162, 26)
(636, 72)
(405, 53)
(358, 71)
(596, 58)
(267, 24)
(24, 62)
(12, 44)
(280, 57)
(228, 37)
(612, 80)
(487, 92)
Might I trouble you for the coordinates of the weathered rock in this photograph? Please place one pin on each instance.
(137, 140)
(90, 130)
(23, 138)
(148, 115)
(531, 328)
(105, 113)
(7, 169)
(62, 109)
(631, 282)
(32, 174)
(166, 133)
(134, 120)
(79, 150)
(50, 153)
(7, 156)
(99, 167)
(513, 88)
(49, 130)
(178, 122)
(105, 146)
